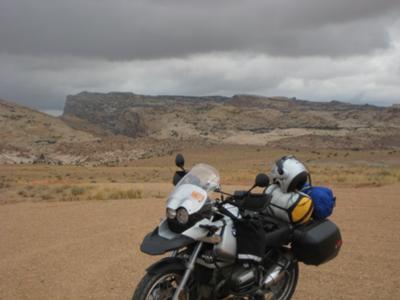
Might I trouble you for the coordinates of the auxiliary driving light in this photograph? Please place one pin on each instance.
(171, 213)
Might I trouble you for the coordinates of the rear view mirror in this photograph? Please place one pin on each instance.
(179, 161)
(262, 180)
(178, 176)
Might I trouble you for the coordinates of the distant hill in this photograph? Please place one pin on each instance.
(27, 134)
(241, 119)
(30, 136)
(115, 128)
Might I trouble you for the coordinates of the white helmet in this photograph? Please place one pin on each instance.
(289, 173)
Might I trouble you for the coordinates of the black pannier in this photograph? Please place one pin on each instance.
(316, 242)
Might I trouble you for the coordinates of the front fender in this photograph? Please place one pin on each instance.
(177, 262)
(155, 244)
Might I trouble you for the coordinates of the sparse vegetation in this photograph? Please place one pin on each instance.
(124, 194)
(77, 190)
(238, 166)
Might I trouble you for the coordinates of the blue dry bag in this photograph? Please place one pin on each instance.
(323, 200)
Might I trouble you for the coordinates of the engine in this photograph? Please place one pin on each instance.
(242, 279)
(245, 279)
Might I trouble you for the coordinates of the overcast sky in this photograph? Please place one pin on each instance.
(310, 49)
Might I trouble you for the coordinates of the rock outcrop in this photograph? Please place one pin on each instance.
(116, 128)
(120, 113)
(239, 119)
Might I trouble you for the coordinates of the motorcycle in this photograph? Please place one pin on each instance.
(199, 232)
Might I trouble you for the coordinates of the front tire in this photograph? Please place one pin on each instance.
(160, 285)
(285, 289)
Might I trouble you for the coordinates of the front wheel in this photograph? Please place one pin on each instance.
(285, 288)
(160, 286)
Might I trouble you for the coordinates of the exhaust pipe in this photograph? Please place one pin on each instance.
(276, 273)
(273, 277)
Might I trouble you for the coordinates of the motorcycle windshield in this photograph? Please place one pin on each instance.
(201, 179)
(203, 176)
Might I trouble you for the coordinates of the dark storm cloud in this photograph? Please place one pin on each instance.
(346, 50)
(149, 29)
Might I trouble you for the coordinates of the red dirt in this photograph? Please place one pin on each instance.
(89, 250)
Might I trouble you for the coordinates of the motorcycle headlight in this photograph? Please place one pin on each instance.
(182, 216)
(171, 213)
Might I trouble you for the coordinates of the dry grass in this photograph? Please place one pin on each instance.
(70, 193)
(238, 165)
(355, 176)
(115, 194)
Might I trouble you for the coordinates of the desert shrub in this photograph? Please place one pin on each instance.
(77, 190)
(116, 194)
(41, 188)
(134, 194)
(159, 195)
(100, 195)
(46, 197)
(383, 173)
(60, 189)
(23, 193)
(4, 185)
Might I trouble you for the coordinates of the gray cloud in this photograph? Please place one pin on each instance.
(362, 79)
(146, 29)
(312, 49)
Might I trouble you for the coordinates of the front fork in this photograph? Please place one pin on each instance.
(189, 270)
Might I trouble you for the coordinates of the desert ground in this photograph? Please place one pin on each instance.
(74, 232)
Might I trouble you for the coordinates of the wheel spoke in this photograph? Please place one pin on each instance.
(164, 288)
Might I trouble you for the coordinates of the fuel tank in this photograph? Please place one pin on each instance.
(226, 249)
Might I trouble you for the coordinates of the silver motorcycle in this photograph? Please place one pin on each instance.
(199, 232)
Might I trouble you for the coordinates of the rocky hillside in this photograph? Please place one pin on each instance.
(26, 134)
(241, 119)
(122, 113)
(116, 128)
(29, 136)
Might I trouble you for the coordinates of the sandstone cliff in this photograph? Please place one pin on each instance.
(241, 119)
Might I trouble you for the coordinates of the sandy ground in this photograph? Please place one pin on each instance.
(89, 250)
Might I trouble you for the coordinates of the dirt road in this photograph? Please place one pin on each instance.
(89, 250)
